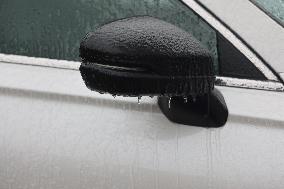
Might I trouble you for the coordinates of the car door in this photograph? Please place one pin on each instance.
(55, 133)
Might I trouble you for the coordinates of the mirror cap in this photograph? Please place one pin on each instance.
(145, 56)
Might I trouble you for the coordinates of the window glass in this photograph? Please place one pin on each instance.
(54, 28)
(232, 63)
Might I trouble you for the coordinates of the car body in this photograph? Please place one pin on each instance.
(55, 133)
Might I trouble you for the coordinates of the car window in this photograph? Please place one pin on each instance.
(53, 29)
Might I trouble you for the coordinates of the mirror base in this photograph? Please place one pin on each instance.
(209, 110)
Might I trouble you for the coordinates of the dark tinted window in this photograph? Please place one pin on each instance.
(54, 28)
(233, 63)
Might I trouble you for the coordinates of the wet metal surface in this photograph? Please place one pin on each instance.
(55, 134)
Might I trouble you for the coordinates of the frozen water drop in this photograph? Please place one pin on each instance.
(170, 100)
(194, 98)
(185, 99)
(139, 98)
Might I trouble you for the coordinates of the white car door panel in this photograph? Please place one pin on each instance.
(55, 133)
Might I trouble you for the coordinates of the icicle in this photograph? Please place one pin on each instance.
(170, 100)
(194, 98)
(139, 98)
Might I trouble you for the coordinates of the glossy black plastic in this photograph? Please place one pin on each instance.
(208, 110)
(145, 56)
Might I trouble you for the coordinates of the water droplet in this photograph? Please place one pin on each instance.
(194, 98)
(139, 98)
(185, 99)
(170, 100)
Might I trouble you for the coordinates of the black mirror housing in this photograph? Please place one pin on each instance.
(145, 56)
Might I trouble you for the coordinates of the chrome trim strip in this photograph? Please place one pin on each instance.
(250, 84)
(231, 37)
(43, 62)
(71, 65)
(281, 75)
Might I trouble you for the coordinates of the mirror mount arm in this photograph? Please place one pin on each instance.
(209, 110)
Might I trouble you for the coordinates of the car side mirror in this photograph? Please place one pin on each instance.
(145, 56)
